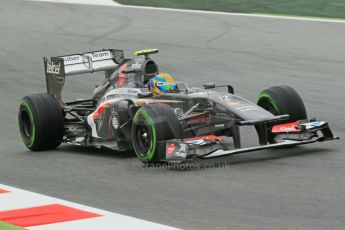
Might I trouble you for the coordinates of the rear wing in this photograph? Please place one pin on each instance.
(57, 68)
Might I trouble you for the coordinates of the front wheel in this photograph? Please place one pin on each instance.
(280, 100)
(153, 124)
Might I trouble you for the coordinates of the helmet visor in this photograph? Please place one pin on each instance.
(166, 86)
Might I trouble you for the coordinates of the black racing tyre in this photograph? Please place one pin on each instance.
(281, 100)
(151, 124)
(41, 122)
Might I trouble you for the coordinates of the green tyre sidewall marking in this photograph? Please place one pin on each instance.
(151, 152)
(270, 100)
(29, 143)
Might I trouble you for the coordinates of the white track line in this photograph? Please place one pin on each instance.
(18, 198)
(85, 2)
(114, 4)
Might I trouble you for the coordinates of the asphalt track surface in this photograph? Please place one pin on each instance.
(298, 188)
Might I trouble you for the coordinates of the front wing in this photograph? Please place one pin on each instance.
(206, 147)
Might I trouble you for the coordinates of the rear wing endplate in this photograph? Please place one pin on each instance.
(57, 68)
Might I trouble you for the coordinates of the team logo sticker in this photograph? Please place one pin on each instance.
(171, 148)
(176, 151)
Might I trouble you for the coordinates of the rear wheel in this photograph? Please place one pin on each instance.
(41, 122)
(280, 100)
(151, 125)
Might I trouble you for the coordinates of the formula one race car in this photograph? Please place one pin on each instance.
(178, 126)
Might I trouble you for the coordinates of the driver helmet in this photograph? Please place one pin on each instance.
(162, 83)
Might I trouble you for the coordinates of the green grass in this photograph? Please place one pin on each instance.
(6, 226)
(309, 8)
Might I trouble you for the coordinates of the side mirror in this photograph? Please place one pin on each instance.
(210, 85)
(231, 89)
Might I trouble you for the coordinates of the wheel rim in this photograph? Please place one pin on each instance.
(144, 136)
(26, 125)
(144, 139)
